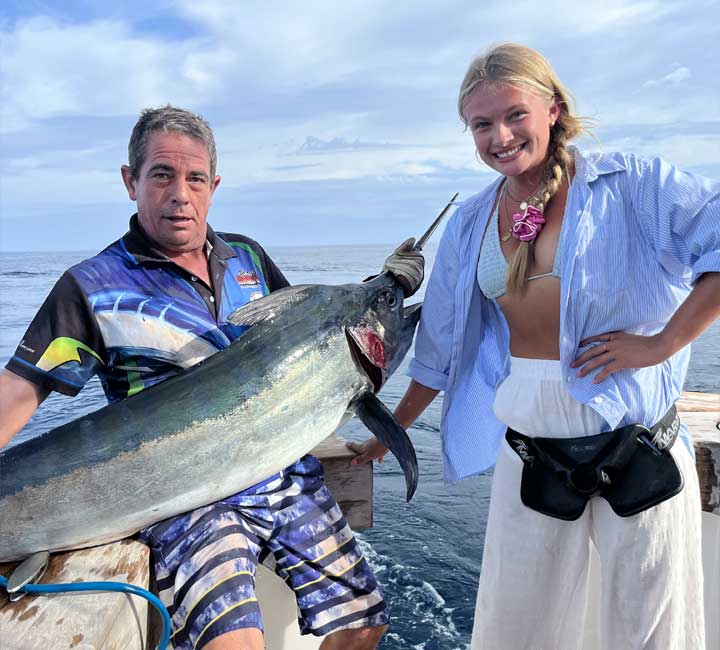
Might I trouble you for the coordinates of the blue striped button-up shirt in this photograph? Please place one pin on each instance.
(637, 234)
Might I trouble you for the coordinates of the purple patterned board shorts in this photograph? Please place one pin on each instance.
(205, 560)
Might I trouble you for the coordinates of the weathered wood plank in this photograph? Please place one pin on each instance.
(334, 448)
(351, 485)
(106, 621)
(352, 488)
(690, 401)
(701, 414)
(703, 425)
(5, 570)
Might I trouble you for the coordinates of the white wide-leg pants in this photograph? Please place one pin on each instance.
(534, 579)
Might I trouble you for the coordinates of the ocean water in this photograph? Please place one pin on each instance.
(426, 553)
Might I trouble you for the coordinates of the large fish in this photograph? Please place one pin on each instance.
(313, 356)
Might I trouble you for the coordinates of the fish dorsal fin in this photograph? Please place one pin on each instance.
(268, 307)
(376, 417)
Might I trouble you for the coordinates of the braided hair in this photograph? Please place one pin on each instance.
(520, 66)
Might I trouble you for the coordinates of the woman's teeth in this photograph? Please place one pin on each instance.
(510, 152)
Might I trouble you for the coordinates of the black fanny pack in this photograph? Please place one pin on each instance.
(631, 468)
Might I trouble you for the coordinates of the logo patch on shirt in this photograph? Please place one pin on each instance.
(247, 279)
(25, 347)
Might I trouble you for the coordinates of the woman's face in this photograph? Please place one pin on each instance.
(510, 126)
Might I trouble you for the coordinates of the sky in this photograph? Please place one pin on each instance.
(335, 122)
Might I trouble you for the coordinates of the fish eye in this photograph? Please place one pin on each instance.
(386, 299)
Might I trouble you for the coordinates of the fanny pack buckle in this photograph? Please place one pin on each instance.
(586, 478)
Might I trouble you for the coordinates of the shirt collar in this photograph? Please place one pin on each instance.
(141, 249)
(589, 166)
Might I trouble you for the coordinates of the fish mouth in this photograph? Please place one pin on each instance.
(367, 350)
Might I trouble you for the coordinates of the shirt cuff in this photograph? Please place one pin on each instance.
(708, 263)
(28, 371)
(427, 376)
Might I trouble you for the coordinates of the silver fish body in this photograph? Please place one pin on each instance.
(313, 355)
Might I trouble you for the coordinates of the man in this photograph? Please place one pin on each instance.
(151, 304)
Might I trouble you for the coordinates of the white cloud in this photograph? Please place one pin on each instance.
(245, 158)
(526, 21)
(289, 45)
(366, 87)
(663, 106)
(677, 76)
(100, 68)
(313, 145)
(604, 15)
(247, 50)
(690, 151)
(66, 176)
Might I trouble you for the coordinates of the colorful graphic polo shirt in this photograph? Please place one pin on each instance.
(136, 318)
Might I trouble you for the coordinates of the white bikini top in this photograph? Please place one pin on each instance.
(492, 267)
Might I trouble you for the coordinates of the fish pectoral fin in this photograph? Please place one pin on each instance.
(381, 422)
(268, 307)
(27, 572)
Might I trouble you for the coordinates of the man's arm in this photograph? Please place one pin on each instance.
(19, 398)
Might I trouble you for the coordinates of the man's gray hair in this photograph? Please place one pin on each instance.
(168, 119)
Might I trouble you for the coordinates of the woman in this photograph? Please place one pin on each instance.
(561, 304)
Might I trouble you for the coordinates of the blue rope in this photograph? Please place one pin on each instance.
(122, 587)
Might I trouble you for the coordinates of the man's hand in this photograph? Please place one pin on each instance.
(407, 265)
(371, 449)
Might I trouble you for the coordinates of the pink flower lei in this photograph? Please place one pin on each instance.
(528, 223)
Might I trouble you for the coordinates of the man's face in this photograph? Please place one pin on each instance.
(173, 192)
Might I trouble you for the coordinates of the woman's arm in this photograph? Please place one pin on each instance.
(700, 309)
(433, 344)
(618, 350)
(416, 399)
(679, 214)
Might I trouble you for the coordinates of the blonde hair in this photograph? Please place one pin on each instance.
(520, 66)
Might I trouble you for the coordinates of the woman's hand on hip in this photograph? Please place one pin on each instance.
(615, 351)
